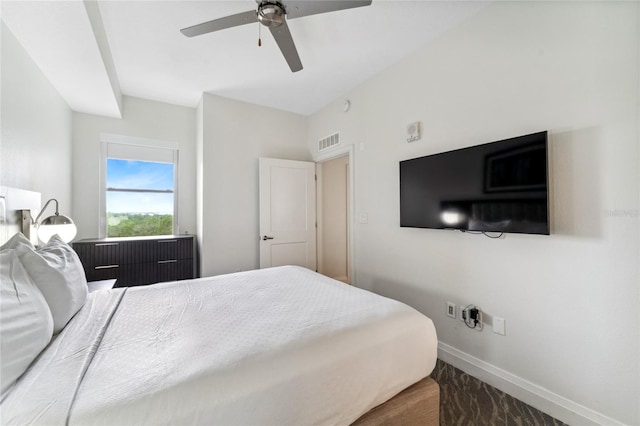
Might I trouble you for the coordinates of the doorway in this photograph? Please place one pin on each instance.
(333, 215)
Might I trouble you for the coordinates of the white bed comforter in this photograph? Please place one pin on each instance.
(280, 346)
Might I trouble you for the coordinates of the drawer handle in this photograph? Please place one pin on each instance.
(167, 241)
(107, 267)
(106, 244)
(167, 261)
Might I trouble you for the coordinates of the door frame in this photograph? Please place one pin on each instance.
(321, 157)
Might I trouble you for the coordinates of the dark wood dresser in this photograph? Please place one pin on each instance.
(138, 260)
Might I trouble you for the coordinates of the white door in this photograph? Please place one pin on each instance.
(287, 213)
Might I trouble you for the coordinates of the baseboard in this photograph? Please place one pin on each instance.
(538, 397)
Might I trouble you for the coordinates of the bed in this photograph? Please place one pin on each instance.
(277, 346)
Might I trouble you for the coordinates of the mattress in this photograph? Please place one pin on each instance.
(276, 346)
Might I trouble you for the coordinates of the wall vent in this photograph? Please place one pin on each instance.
(329, 141)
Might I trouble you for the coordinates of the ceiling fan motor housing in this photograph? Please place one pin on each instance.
(271, 14)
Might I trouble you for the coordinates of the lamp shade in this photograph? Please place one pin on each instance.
(58, 224)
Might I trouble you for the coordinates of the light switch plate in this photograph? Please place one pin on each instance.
(499, 326)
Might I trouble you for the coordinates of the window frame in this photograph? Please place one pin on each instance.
(105, 141)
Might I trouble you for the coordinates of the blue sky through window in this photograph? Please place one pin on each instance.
(140, 175)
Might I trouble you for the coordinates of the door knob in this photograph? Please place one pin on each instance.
(265, 238)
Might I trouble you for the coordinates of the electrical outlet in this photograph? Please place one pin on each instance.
(471, 315)
(451, 309)
(461, 313)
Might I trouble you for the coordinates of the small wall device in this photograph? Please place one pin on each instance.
(414, 132)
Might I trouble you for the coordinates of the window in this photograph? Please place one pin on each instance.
(139, 190)
(139, 198)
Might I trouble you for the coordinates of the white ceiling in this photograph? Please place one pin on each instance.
(153, 60)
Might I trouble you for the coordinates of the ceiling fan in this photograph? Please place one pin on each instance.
(274, 14)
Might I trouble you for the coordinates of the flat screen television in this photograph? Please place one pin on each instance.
(495, 187)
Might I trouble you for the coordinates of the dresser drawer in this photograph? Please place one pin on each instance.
(174, 270)
(135, 274)
(174, 249)
(135, 252)
(105, 272)
(98, 254)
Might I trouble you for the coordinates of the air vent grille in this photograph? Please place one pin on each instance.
(329, 141)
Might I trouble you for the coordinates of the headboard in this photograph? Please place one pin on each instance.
(12, 202)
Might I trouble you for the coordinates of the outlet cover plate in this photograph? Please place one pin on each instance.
(451, 310)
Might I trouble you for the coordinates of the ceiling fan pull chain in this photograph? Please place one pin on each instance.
(259, 35)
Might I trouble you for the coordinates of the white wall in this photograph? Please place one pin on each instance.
(35, 147)
(143, 119)
(235, 134)
(570, 300)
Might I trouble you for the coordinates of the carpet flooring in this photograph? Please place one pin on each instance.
(465, 400)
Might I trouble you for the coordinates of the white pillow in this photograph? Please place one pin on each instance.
(57, 271)
(18, 240)
(26, 321)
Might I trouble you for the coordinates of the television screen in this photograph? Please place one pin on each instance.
(495, 187)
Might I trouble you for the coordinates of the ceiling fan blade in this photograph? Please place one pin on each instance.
(221, 24)
(300, 8)
(287, 46)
